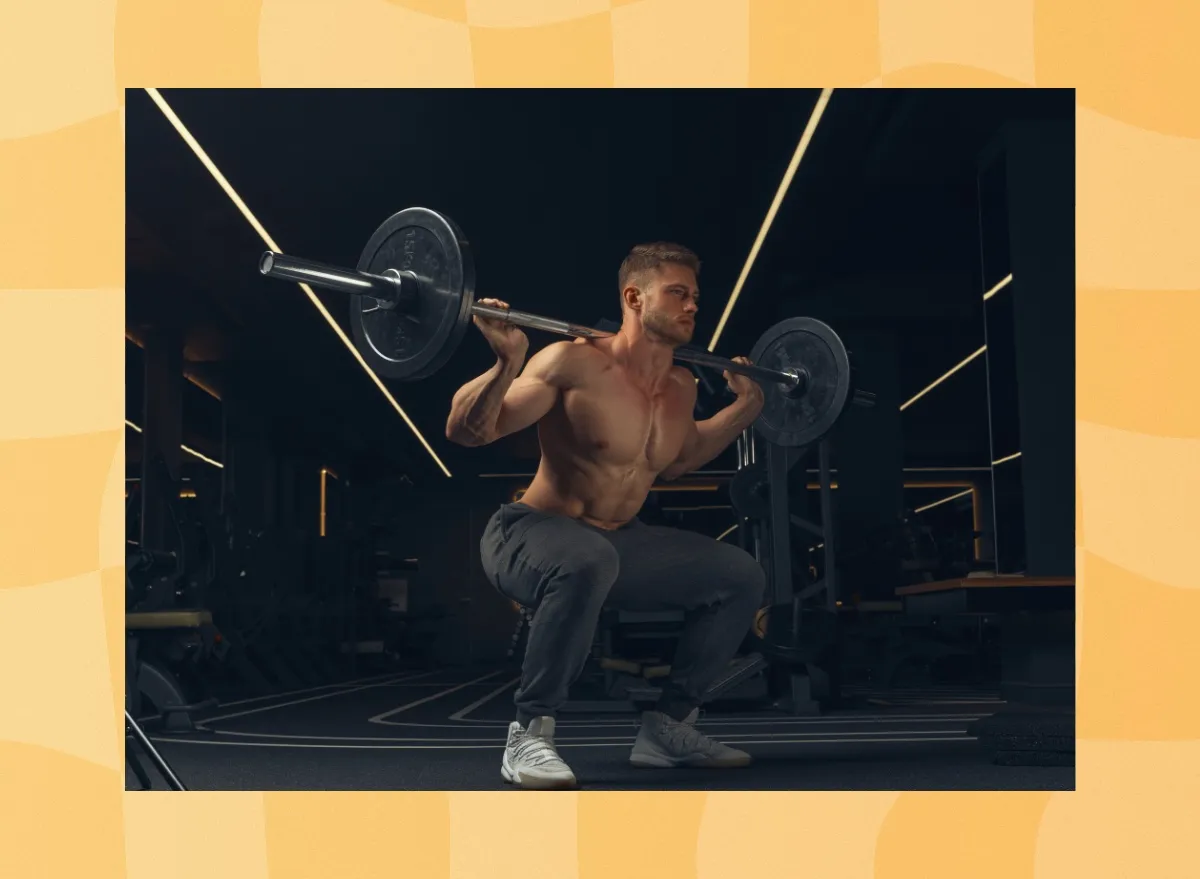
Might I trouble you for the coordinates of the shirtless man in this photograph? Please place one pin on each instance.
(613, 414)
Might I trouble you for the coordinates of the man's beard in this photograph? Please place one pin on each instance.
(665, 329)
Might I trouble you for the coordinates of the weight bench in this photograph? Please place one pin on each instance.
(176, 634)
(1037, 664)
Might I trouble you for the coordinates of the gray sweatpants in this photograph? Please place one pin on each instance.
(568, 571)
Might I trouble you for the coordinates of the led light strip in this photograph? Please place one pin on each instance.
(1005, 460)
(270, 242)
(1004, 282)
(805, 138)
(943, 378)
(1000, 286)
(944, 500)
(325, 474)
(727, 532)
(187, 449)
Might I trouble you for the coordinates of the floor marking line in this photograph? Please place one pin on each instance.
(498, 745)
(850, 735)
(461, 715)
(380, 718)
(265, 708)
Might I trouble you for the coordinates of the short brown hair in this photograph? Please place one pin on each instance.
(648, 257)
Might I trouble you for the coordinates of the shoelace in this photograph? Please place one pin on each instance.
(535, 751)
(687, 737)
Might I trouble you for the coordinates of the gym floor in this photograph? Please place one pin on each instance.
(445, 730)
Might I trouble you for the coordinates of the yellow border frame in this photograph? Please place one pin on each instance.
(1138, 303)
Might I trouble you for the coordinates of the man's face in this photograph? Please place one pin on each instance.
(672, 298)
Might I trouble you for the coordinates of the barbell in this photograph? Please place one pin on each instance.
(412, 297)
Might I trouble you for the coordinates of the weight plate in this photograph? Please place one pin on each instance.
(802, 343)
(749, 492)
(415, 343)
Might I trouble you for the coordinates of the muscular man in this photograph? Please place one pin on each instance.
(613, 415)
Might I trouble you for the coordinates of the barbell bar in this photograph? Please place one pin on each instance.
(402, 291)
(412, 297)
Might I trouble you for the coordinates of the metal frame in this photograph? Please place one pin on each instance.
(135, 735)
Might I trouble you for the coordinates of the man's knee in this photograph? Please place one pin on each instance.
(589, 570)
(743, 578)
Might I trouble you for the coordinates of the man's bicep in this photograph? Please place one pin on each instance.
(534, 392)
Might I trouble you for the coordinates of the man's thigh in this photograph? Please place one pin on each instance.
(672, 568)
(522, 547)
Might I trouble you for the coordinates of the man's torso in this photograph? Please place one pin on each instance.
(606, 439)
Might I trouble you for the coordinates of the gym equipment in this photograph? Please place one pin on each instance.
(135, 736)
(413, 295)
(808, 347)
(164, 647)
(749, 492)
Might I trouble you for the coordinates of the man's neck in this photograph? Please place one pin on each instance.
(647, 359)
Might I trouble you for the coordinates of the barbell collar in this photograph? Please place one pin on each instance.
(393, 289)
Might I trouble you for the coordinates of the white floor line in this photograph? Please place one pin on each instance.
(381, 718)
(706, 723)
(849, 735)
(285, 693)
(461, 714)
(343, 692)
(632, 722)
(624, 743)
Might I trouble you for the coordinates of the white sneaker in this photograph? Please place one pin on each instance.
(664, 743)
(530, 759)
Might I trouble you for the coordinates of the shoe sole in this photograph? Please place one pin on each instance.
(650, 761)
(514, 778)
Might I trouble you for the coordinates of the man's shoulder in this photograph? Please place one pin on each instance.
(569, 360)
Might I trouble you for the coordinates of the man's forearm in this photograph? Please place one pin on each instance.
(475, 409)
(717, 433)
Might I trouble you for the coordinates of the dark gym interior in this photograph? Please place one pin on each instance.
(305, 603)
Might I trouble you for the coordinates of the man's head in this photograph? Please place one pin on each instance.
(659, 286)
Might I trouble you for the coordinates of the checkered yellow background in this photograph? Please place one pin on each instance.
(63, 66)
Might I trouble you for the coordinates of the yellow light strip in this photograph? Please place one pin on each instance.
(805, 138)
(270, 242)
(1006, 460)
(727, 532)
(187, 449)
(943, 378)
(1000, 286)
(324, 473)
(944, 500)
(204, 458)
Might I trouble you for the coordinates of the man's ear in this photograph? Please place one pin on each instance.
(633, 298)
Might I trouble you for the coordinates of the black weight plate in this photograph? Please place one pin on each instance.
(802, 342)
(749, 492)
(417, 342)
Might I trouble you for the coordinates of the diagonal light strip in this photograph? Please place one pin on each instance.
(270, 242)
(1011, 457)
(805, 138)
(187, 449)
(727, 532)
(943, 378)
(999, 286)
(944, 500)
(1004, 282)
